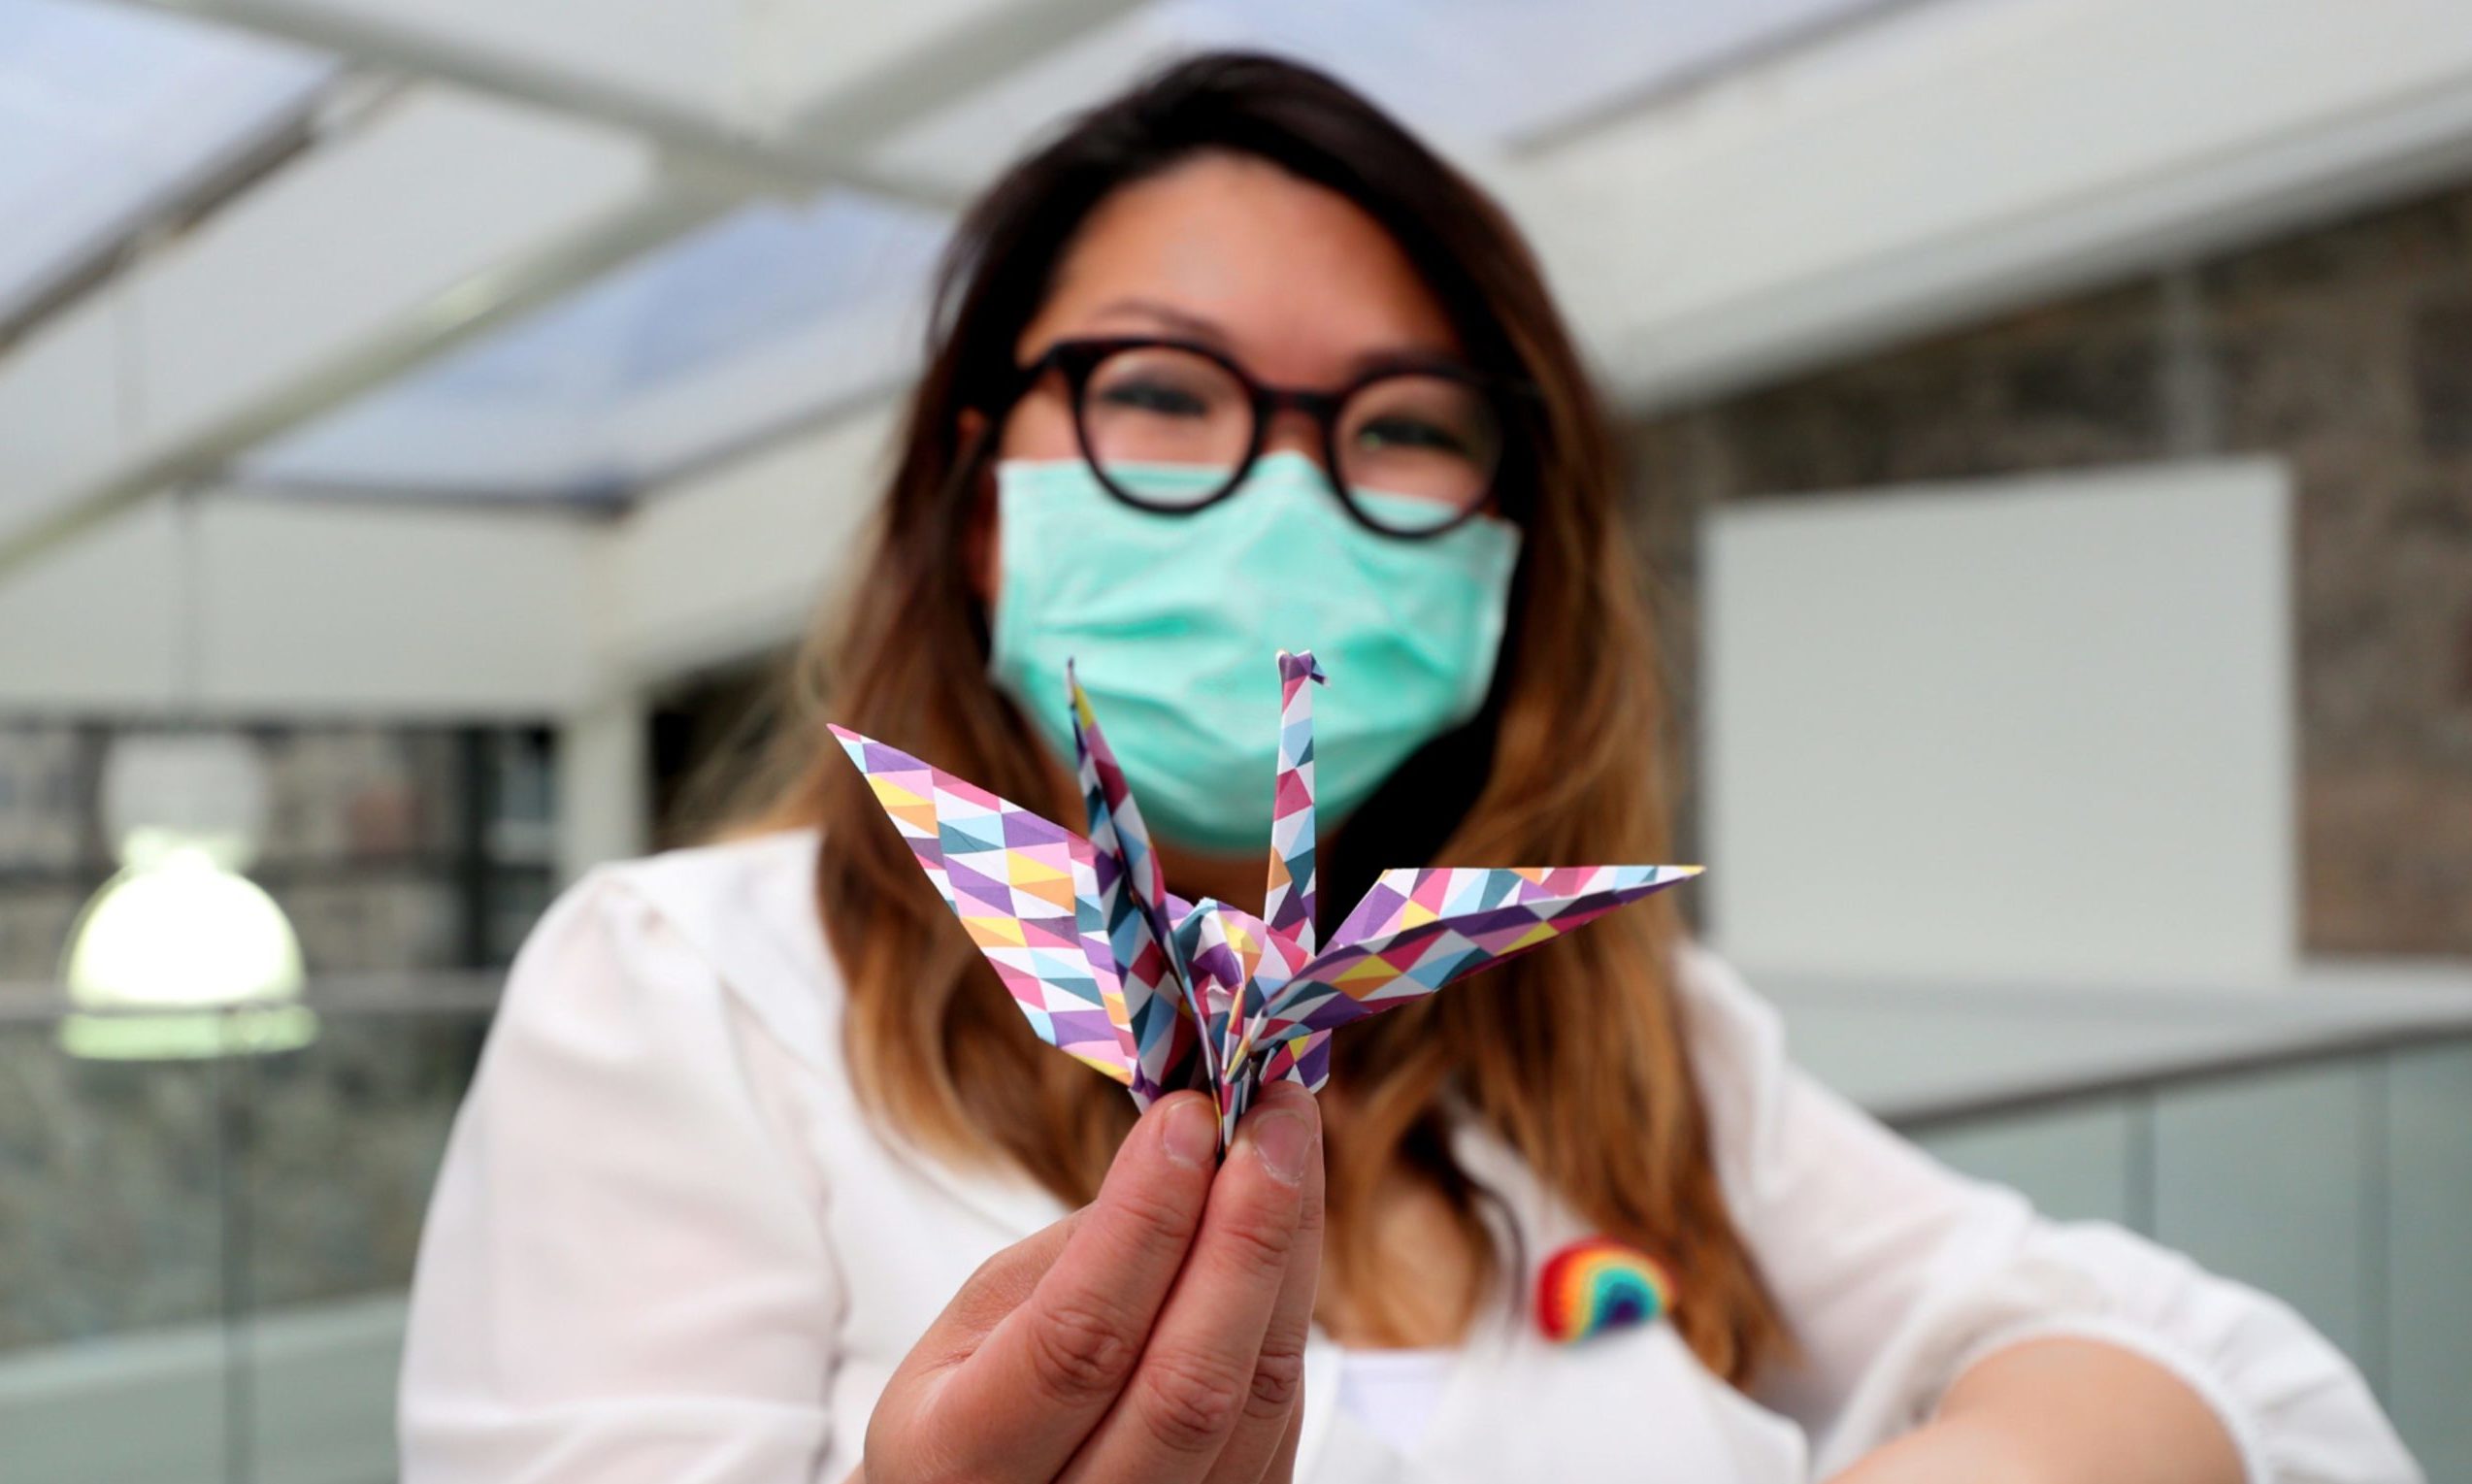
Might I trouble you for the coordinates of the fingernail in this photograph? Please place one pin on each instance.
(1283, 1140)
(1191, 1133)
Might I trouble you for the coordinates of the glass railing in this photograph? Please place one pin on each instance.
(202, 1262)
(2337, 1178)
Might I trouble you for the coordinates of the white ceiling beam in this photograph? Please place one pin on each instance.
(369, 255)
(445, 217)
(836, 83)
(786, 97)
(731, 561)
(685, 117)
(1946, 165)
(442, 214)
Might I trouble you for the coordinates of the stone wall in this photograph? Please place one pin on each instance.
(2347, 352)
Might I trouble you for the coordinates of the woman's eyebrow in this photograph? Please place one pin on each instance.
(1408, 355)
(1184, 321)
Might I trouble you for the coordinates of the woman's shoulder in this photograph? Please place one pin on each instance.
(725, 878)
(1723, 1016)
(734, 918)
(1739, 1060)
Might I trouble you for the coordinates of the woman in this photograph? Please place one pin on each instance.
(764, 1177)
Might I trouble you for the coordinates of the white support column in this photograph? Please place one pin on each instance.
(604, 785)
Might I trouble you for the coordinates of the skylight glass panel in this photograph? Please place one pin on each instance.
(107, 112)
(1501, 74)
(1472, 74)
(771, 314)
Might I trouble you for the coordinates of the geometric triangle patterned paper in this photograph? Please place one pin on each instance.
(1110, 966)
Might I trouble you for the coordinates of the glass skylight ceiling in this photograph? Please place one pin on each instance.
(777, 313)
(769, 315)
(106, 112)
(1487, 74)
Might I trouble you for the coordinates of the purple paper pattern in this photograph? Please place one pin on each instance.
(1110, 966)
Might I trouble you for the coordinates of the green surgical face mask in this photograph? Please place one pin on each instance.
(1171, 621)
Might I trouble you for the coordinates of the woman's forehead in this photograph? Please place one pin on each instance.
(1292, 278)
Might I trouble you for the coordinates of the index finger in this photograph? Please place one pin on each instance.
(993, 1291)
(1206, 1384)
(1050, 1369)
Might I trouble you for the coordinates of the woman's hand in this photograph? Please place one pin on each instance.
(1157, 1334)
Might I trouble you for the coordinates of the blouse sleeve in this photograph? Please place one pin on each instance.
(623, 1276)
(1895, 1274)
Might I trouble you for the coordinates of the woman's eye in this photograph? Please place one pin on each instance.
(1157, 397)
(1410, 433)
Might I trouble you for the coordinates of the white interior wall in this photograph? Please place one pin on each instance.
(2034, 730)
(398, 609)
(284, 607)
(281, 609)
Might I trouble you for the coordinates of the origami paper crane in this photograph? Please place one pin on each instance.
(1113, 969)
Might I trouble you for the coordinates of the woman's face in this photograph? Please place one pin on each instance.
(1293, 280)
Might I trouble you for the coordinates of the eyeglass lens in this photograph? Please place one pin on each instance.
(1169, 427)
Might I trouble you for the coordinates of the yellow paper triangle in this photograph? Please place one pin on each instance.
(1022, 869)
(995, 932)
(890, 793)
(1373, 971)
(1109, 1065)
(1543, 931)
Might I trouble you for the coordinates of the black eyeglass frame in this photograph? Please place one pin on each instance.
(1076, 359)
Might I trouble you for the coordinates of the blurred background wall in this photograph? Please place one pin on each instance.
(2342, 351)
(461, 407)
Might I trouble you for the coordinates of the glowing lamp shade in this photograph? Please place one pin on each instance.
(180, 955)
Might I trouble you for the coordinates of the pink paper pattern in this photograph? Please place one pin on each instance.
(1110, 966)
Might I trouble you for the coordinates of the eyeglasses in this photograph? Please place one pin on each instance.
(1410, 449)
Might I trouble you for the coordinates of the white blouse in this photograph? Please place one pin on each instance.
(1394, 1394)
(666, 1247)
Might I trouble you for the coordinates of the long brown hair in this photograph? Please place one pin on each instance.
(1572, 1054)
